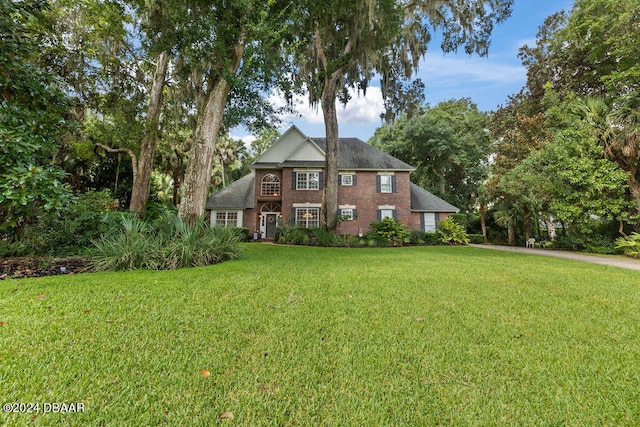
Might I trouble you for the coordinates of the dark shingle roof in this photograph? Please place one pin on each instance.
(238, 195)
(356, 154)
(424, 201)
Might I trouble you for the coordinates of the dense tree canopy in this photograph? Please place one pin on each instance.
(448, 144)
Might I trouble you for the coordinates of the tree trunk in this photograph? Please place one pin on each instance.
(144, 167)
(197, 179)
(330, 196)
(483, 220)
(527, 224)
(511, 235)
(551, 230)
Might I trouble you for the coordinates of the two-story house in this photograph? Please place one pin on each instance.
(286, 186)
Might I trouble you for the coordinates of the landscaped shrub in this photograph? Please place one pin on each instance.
(452, 232)
(478, 239)
(425, 238)
(324, 237)
(65, 232)
(167, 243)
(630, 245)
(459, 218)
(395, 232)
(294, 235)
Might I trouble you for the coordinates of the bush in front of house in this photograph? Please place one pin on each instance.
(395, 232)
(452, 232)
(425, 238)
(164, 244)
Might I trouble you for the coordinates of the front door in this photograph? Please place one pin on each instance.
(271, 223)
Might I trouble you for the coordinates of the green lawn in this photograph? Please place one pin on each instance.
(316, 336)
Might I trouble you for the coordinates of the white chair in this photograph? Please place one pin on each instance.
(531, 243)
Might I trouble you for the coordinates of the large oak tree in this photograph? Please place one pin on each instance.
(345, 43)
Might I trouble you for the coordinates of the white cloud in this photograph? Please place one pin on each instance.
(359, 110)
(458, 71)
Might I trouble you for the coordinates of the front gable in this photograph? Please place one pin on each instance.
(282, 148)
(306, 151)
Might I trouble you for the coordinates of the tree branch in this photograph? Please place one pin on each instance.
(134, 158)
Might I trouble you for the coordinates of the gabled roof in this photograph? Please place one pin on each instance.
(424, 201)
(294, 149)
(237, 195)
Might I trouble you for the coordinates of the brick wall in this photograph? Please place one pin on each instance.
(363, 196)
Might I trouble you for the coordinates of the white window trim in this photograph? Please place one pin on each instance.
(307, 205)
(214, 214)
(347, 214)
(350, 180)
(424, 221)
(382, 186)
(307, 180)
(306, 223)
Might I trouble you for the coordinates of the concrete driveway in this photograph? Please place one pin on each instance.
(612, 261)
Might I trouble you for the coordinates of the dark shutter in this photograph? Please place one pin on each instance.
(353, 179)
(294, 178)
(339, 180)
(292, 219)
(355, 213)
(379, 215)
(437, 215)
(321, 180)
(395, 215)
(378, 185)
(422, 214)
(393, 183)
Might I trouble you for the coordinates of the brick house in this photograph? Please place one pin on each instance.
(285, 187)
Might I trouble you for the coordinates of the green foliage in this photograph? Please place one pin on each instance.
(32, 120)
(477, 239)
(630, 245)
(425, 238)
(394, 232)
(452, 232)
(166, 244)
(68, 231)
(449, 146)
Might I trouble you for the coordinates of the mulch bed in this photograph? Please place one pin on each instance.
(23, 267)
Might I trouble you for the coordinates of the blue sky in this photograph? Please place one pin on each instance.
(487, 81)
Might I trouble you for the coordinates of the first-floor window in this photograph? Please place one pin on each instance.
(226, 218)
(429, 222)
(386, 213)
(347, 214)
(346, 180)
(308, 217)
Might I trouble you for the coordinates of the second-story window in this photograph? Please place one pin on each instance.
(386, 183)
(308, 180)
(270, 185)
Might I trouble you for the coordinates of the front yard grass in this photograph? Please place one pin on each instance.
(322, 336)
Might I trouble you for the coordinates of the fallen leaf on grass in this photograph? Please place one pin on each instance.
(205, 373)
(86, 311)
(420, 319)
(226, 416)
(40, 297)
(1, 323)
